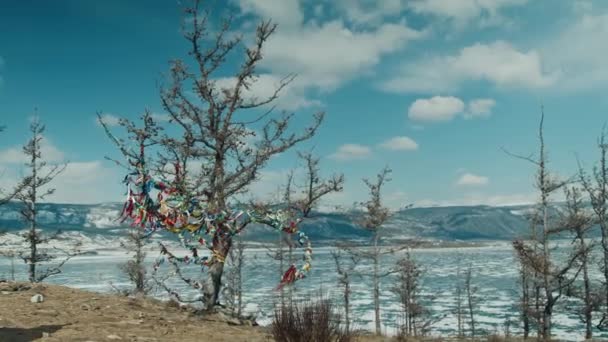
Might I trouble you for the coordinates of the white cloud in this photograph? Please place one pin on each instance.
(435, 109)
(579, 51)
(109, 119)
(479, 108)
(292, 97)
(285, 13)
(87, 183)
(14, 155)
(370, 12)
(402, 143)
(462, 12)
(325, 56)
(499, 63)
(351, 152)
(470, 179)
(160, 117)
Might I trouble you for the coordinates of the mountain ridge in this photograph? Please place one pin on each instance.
(478, 222)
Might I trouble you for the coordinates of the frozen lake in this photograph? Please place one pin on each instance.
(494, 269)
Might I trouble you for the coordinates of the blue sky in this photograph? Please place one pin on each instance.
(433, 88)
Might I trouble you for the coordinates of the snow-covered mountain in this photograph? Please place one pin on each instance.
(446, 223)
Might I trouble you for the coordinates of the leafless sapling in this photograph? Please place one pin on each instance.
(346, 272)
(303, 198)
(374, 218)
(139, 141)
(36, 188)
(416, 317)
(471, 293)
(578, 220)
(233, 288)
(595, 184)
(552, 277)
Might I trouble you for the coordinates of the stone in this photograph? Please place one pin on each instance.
(37, 298)
(114, 337)
(46, 334)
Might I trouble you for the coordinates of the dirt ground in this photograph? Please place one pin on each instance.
(68, 314)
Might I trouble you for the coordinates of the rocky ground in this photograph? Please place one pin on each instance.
(67, 314)
(45, 312)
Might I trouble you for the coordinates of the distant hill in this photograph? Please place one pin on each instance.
(445, 223)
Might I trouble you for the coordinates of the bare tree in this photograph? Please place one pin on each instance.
(303, 198)
(552, 278)
(595, 185)
(233, 289)
(217, 125)
(36, 189)
(346, 271)
(374, 218)
(472, 300)
(417, 319)
(579, 221)
(459, 311)
(143, 138)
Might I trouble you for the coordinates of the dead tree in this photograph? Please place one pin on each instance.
(346, 271)
(233, 289)
(41, 174)
(215, 128)
(408, 288)
(580, 222)
(303, 198)
(471, 292)
(459, 311)
(139, 140)
(595, 184)
(135, 268)
(375, 216)
(551, 278)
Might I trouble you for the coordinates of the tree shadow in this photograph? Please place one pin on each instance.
(27, 334)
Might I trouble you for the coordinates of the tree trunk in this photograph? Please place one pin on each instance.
(548, 313)
(525, 303)
(377, 287)
(604, 229)
(588, 308)
(347, 306)
(213, 284)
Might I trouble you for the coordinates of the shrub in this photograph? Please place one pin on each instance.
(307, 321)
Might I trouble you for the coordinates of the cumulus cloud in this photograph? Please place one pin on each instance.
(462, 12)
(292, 97)
(325, 56)
(108, 119)
(579, 51)
(435, 109)
(402, 143)
(351, 152)
(286, 13)
(470, 179)
(479, 108)
(15, 155)
(87, 182)
(370, 12)
(498, 63)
